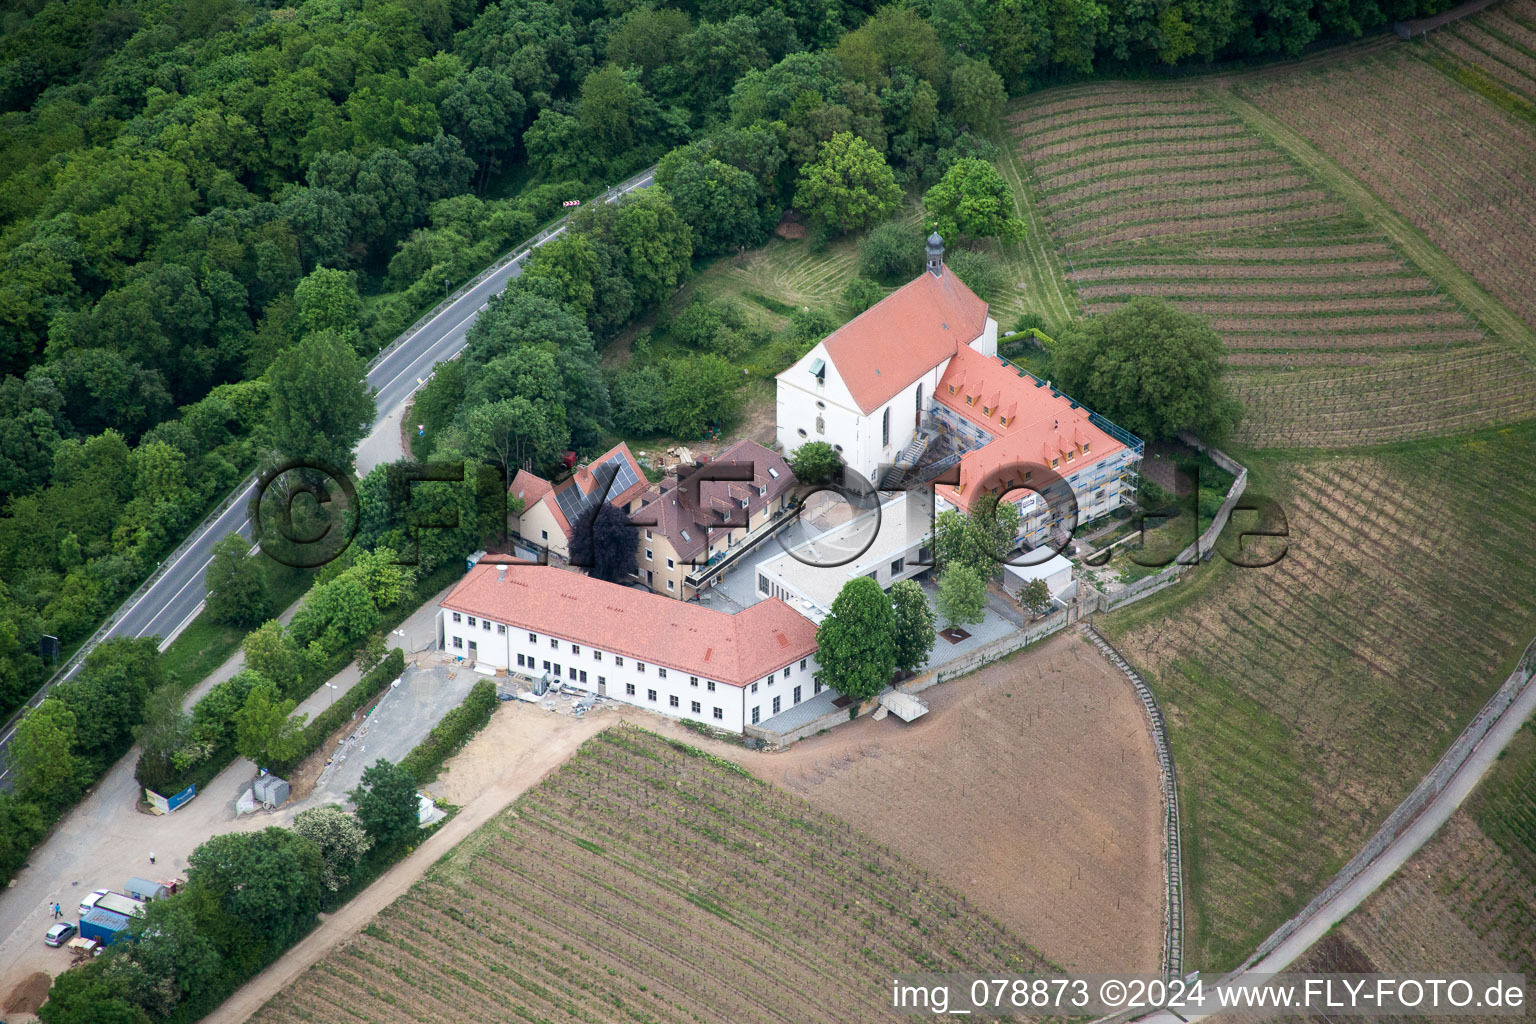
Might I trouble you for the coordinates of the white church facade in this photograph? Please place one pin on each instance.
(919, 373)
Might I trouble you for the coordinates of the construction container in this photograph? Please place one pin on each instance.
(271, 791)
(104, 926)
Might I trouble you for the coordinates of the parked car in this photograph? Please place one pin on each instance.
(89, 903)
(59, 934)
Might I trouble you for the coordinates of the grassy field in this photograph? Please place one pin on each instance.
(1306, 699)
(646, 881)
(1189, 193)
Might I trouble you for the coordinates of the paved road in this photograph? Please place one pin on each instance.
(176, 596)
(1393, 857)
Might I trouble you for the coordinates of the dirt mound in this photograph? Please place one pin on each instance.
(29, 994)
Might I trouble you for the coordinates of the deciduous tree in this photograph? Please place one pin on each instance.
(1149, 367)
(856, 642)
(973, 201)
(386, 802)
(849, 187)
(237, 586)
(913, 622)
(339, 836)
(962, 594)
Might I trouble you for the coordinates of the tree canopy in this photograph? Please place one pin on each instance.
(856, 642)
(973, 201)
(1149, 367)
(849, 187)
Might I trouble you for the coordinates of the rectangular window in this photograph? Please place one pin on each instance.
(597, 655)
(756, 713)
(776, 704)
(661, 672)
(650, 695)
(797, 695)
(456, 617)
(885, 427)
(602, 681)
(786, 671)
(647, 534)
(695, 705)
(546, 666)
(754, 687)
(817, 688)
(629, 689)
(640, 666)
(693, 680)
(557, 670)
(719, 713)
(618, 659)
(583, 674)
(648, 557)
(485, 625)
(554, 643)
(672, 699)
(1085, 447)
(575, 648)
(762, 584)
(471, 622)
(671, 585)
(898, 566)
(458, 642)
(802, 664)
(533, 638)
(543, 535)
(519, 661)
(710, 686)
(501, 630)
(671, 564)
(472, 648)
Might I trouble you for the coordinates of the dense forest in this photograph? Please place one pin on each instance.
(192, 191)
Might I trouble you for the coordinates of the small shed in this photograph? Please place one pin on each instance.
(903, 705)
(1051, 567)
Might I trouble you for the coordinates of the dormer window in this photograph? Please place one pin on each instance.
(1069, 456)
(986, 410)
(1055, 463)
(1028, 474)
(970, 399)
(951, 389)
(1085, 447)
(1002, 421)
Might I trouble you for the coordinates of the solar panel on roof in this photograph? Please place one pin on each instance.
(614, 475)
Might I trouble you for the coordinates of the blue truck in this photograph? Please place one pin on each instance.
(105, 926)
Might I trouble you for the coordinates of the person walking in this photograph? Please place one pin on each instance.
(57, 911)
(151, 856)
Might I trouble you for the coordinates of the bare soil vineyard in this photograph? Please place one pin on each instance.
(1452, 162)
(1306, 699)
(1164, 192)
(648, 881)
(1031, 787)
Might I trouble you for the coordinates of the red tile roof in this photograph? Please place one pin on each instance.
(1041, 423)
(681, 635)
(904, 335)
(529, 487)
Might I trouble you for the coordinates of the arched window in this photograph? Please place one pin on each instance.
(885, 426)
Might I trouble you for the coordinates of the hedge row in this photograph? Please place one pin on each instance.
(449, 735)
(333, 717)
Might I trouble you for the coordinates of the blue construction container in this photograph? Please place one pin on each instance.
(105, 926)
